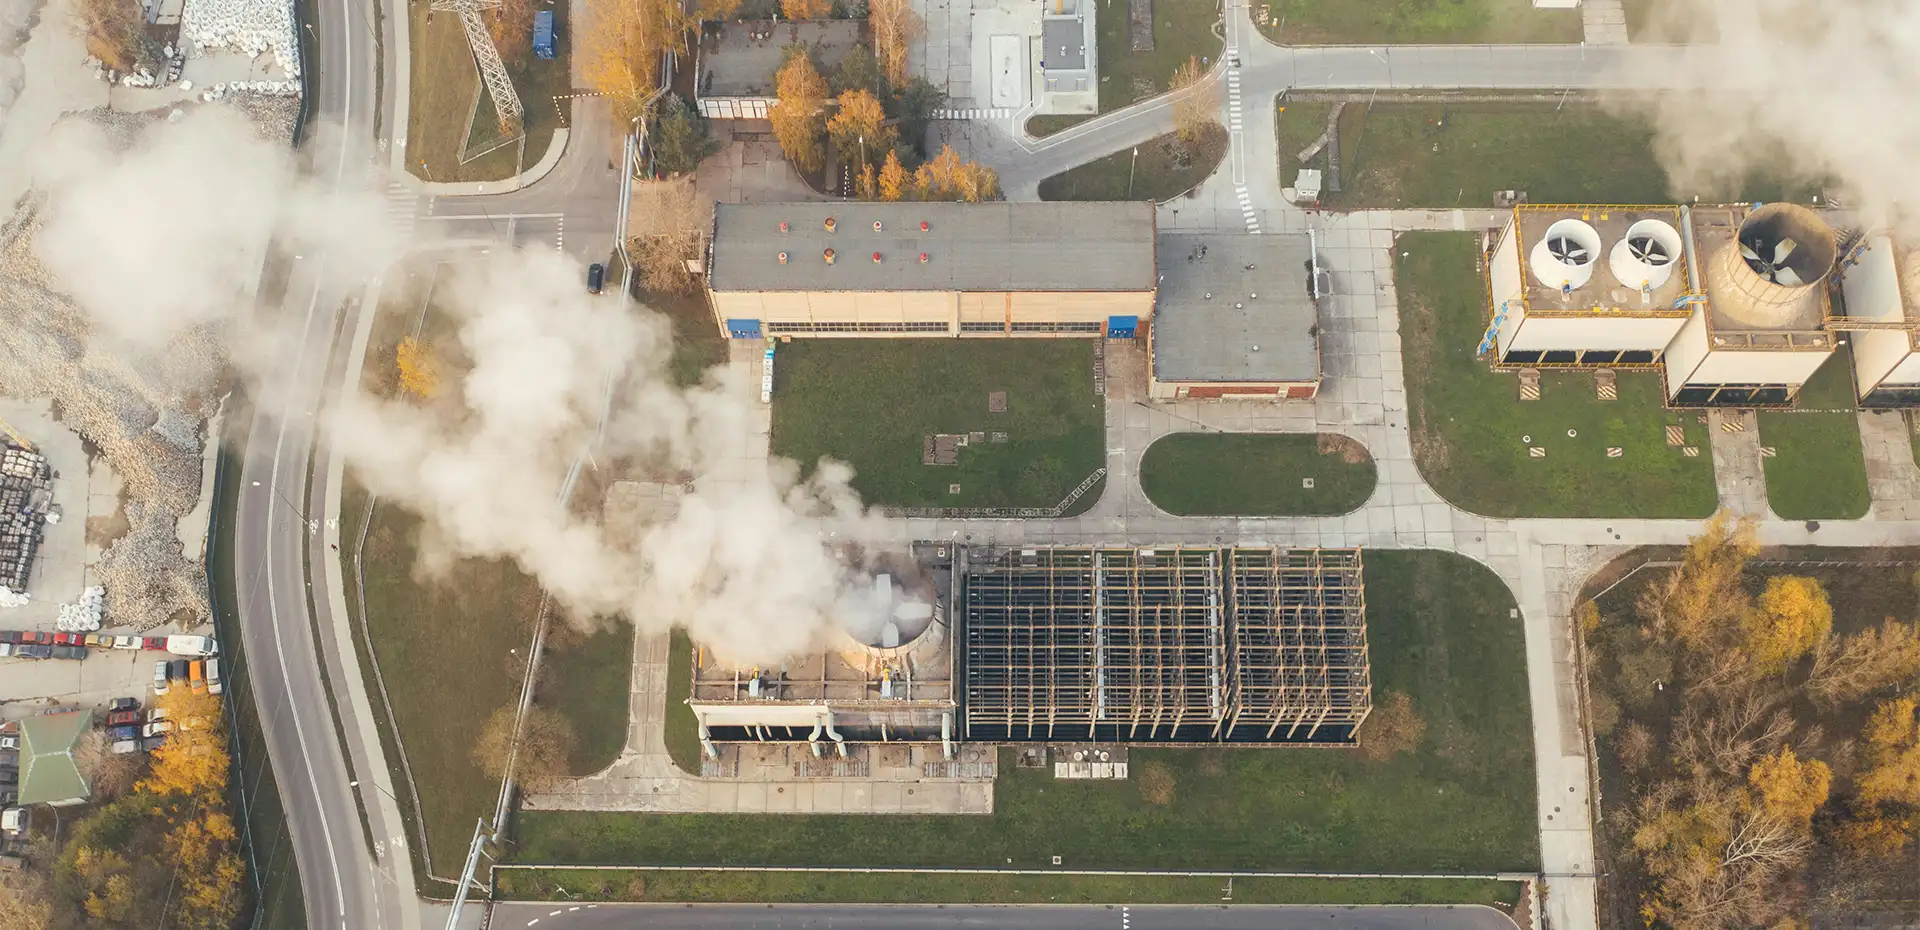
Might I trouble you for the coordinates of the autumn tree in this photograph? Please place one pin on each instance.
(1788, 786)
(796, 115)
(894, 25)
(1868, 661)
(806, 9)
(858, 127)
(116, 33)
(1792, 619)
(1714, 856)
(710, 11)
(621, 48)
(1196, 104)
(947, 177)
(1891, 755)
(419, 368)
(1699, 602)
(893, 182)
(671, 220)
(24, 904)
(1393, 728)
(511, 26)
(193, 760)
(546, 742)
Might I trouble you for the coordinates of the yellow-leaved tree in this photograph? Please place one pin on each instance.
(193, 761)
(893, 181)
(1891, 774)
(796, 115)
(1789, 786)
(620, 52)
(858, 127)
(419, 369)
(894, 25)
(806, 9)
(1792, 619)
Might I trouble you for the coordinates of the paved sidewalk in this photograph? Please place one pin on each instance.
(1603, 22)
(1892, 475)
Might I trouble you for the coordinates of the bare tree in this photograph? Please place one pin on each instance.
(1196, 102)
(1724, 737)
(1852, 668)
(670, 224)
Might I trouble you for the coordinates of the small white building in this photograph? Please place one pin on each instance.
(1878, 283)
(1595, 287)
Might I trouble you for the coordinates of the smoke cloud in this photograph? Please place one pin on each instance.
(1817, 89)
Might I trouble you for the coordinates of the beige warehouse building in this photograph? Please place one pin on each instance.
(931, 269)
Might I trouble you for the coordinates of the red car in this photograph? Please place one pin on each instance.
(122, 718)
(42, 637)
(155, 643)
(64, 639)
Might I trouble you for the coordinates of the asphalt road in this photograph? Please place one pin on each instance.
(987, 917)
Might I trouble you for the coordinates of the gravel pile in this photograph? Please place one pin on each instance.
(251, 27)
(273, 116)
(132, 412)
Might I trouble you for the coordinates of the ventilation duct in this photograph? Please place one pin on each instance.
(1563, 258)
(1645, 259)
(1763, 277)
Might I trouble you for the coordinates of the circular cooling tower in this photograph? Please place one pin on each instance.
(889, 613)
(1644, 260)
(1564, 257)
(1766, 275)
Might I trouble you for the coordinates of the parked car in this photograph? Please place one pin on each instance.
(10, 741)
(41, 637)
(123, 717)
(6, 649)
(152, 743)
(197, 675)
(157, 727)
(213, 676)
(125, 703)
(160, 677)
(596, 277)
(192, 645)
(158, 713)
(177, 669)
(9, 636)
(126, 732)
(155, 643)
(99, 641)
(121, 747)
(69, 652)
(35, 651)
(126, 642)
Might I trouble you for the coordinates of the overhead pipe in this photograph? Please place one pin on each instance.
(946, 735)
(706, 742)
(813, 739)
(839, 742)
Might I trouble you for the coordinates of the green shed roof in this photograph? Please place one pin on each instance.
(48, 774)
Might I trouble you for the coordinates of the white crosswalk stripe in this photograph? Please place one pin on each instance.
(403, 208)
(973, 113)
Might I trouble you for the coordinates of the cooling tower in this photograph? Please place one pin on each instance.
(1563, 258)
(1645, 258)
(1767, 273)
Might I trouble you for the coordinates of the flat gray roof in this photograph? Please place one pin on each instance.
(1063, 44)
(1235, 307)
(741, 59)
(1102, 246)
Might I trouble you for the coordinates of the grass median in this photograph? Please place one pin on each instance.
(1455, 22)
(1257, 474)
(712, 887)
(1159, 169)
(1818, 470)
(1473, 438)
(1440, 631)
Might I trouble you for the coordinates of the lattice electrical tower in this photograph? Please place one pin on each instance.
(487, 58)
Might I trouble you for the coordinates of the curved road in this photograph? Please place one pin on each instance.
(989, 917)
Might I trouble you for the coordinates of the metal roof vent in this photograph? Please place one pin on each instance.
(783, 258)
(1563, 258)
(1645, 259)
(783, 225)
(830, 224)
(923, 258)
(876, 225)
(828, 255)
(876, 258)
(923, 226)
(1783, 252)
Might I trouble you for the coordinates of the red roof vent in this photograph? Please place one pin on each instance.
(830, 224)
(923, 226)
(923, 258)
(828, 254)
(876, 225)
(876, 258)
(783, 225)
(783, 258)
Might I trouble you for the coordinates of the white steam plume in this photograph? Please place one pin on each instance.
(1819, 88)
(753, 561)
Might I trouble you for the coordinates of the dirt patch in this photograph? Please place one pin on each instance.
(105, 531)
(1349, 451)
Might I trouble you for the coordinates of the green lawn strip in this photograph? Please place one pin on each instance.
(1041, 127)
(1818, 470)
(442, 87)
(1472, 433)
(587, 678)
(1461, 22)
(1440, 630)
(870, 403)
(711, 887)
(1235, 474)
(1164, 169)
(697, 343)
(682, 727)
(1182, 29)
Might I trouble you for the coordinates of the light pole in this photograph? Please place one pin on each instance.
(1130, 163)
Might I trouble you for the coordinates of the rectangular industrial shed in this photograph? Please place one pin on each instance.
(931, 269)
(1236, 317)
(1176, 645)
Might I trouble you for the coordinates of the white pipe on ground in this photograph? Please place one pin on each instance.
(946, 735)
(813, 739)
(839, 742)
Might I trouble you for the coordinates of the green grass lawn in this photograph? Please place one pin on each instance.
(1449, 22)
(1241, 474)
(871, 402)
(794, 887)
(1164, 169)
(1471, 433)
(1818, 471)
(1182, 29)
(587, 678)
(1443, 154)
(442, 86)
(697, 343)
(1439, 629)
(682, 727)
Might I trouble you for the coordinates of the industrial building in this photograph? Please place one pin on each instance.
(1166, 646)
(736, 63)
(1881, 296)
(1069, 57)
(931, 269)
(1237, 317)
(49, 773)
(1730, 303)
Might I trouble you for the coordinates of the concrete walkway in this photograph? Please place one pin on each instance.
(1603, 22)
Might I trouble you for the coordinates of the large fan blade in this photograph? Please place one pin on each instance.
(1747, 252)
(1577, 255)
(1786, 278)
(1781, 250)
